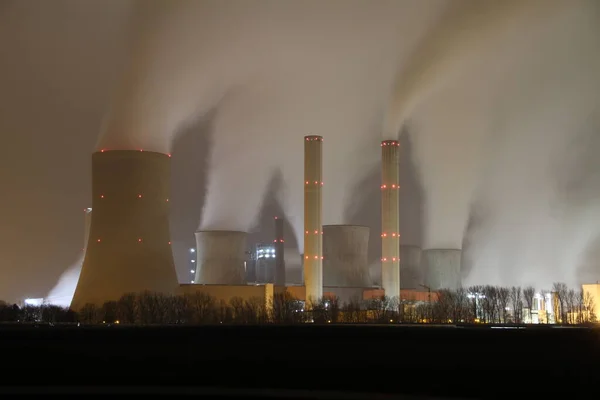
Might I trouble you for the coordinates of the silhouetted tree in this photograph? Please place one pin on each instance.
(528, 296)
(516, 300)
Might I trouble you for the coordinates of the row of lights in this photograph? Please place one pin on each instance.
(139, 196)
(140, 240)
(311, 139)
(393, 259)
(193, 261)
(316, 232)
(316, 183)
(394, 234)
(316, 257)
(280, 240)
(103, 150)
(393, 186)
(393, 143)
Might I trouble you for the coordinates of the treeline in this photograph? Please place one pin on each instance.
(476, 304)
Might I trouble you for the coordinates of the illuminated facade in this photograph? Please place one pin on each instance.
(266, 259)
(129, 245)
(313, 225)
(390, 217)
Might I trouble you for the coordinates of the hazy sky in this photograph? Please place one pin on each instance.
(499, 101)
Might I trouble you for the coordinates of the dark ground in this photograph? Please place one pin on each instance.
(439, 361)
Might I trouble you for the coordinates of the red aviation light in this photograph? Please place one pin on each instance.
(169, 154)
(316, 182)
(306, 257)
(140, 240)
(281, 240)
(139, 196)
(306, 232)
(275, 241)
(321, 183)
(102, 151)
(306, 182)
(321, 257)
(275, 217)
(393, 235)
(98, 240)
(316, 257)
(316, 232)
(169, 243)
(101, 196)
(393, 258)
(167, 200)
(141, 149)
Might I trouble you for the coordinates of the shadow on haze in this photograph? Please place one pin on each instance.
(189, 167)
(263, 230)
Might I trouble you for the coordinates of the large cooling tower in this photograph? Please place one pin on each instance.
(313, 225)
(390, 218)
(411, 273)
(221, 256)
(129, 246)
(442, 268)
(345, 255)
(279, 252)
(88, 224)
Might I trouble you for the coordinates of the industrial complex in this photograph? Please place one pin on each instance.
(127, 246)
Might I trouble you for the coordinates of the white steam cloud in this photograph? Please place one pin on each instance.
(493, 94)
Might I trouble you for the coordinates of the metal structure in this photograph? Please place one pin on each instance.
(279, 251)
(129, 245)
(220, 257)
(390, 218)
(345, 255)
(313, 225)
(411, 272)
(442, 268)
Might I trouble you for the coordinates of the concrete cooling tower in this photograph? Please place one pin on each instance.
(345, 255)
(129, 246)
(221, 256)
(442, 268)
(313, 225)
(390, 217)
(411, 273)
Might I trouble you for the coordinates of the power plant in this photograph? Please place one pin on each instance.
(442, 268)
(221, 256)
(390, 217)
(345, 255)
(129, 245)
(313, 225)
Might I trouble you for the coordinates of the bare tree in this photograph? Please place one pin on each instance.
(200, 308)
(560, 302)
(353, 312)
(88, 314)
(286, 309)
(127, 308)
(516, 300)
(528, 296)
(108, 312)
(503, 301)
(571, 305)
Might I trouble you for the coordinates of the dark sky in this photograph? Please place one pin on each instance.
(59, 62)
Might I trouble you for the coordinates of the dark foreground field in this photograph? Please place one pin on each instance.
(440, 361)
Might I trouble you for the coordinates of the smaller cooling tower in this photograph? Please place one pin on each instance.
(411, 273)
(221, 256)
(345, 260)
(442, 268)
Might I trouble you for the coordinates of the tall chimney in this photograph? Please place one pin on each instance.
(279, 253)
(313, 224)
(390, 220)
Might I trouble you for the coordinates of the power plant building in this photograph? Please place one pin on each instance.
(129, 245)
(266, 257)
(390, 218)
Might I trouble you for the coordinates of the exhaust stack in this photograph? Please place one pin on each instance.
(279, 252)
(313, 223)
(390, 219)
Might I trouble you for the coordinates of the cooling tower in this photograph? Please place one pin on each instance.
(221, 256)
(411, 273)
(279, 252)
(345, 255)
(390, 219)
(88, 224)
(313, 229)
(129, 247)
(442, 268)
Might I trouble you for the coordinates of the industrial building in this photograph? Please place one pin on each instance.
(129, 245)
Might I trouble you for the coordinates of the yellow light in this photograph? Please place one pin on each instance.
(117, 321)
